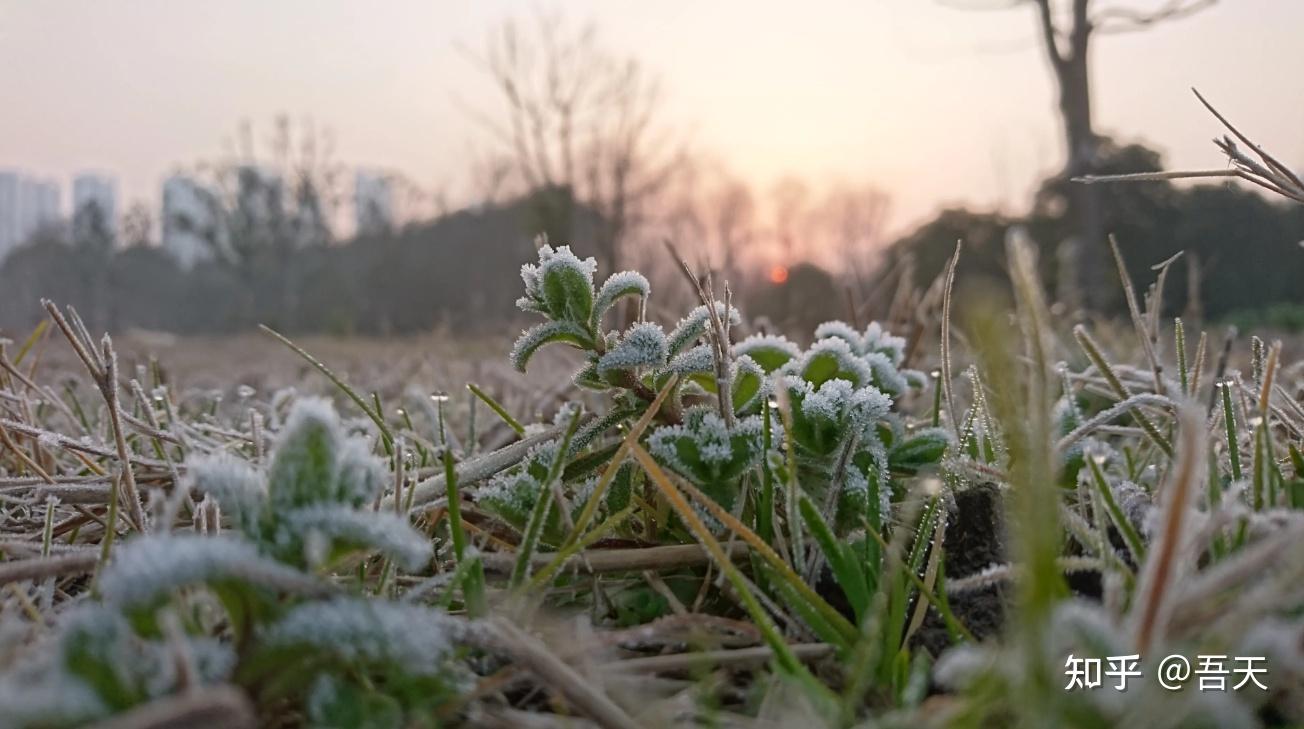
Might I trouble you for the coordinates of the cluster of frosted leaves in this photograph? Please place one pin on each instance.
(708, 452)
(512, 493)
(97, 665)
(825, 415)
(560, 288)
(147, 570)
(309, 506)
(376, 634)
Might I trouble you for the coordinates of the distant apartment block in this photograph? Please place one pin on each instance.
(26, 205)
(94, 204)
(192, 224)
(373, 203)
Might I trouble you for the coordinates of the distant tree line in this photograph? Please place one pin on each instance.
(1241, 251)
(456, 270)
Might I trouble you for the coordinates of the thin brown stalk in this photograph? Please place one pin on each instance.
(528, 652)
(40, 568)
(217, 707)
(619, 560)
(1164, 559)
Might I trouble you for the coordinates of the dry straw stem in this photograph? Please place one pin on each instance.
(35, 569)
(476, 469)
(1167, 557)
(618, 560)
(217, 707)
(1266, 171)
(528, 652)
(947, 290)
(731, 658)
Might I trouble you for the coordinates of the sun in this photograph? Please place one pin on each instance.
(778, 274)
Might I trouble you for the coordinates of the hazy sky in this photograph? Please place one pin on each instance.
(934, 104)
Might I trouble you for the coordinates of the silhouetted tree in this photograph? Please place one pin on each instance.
(1066, 29)
(580, 126)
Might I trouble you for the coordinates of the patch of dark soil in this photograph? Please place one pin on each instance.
(975, 539)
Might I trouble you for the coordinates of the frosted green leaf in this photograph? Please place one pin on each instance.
(878, 339)
(324, 526)
(694, 325)
(920, 449)
(305, 459)
(238, 487)
(769, 351)
(149, 568)
(370, 633)
(540, 335)
(616, 287)
(644, 345)
(830, 359)
(841, 330)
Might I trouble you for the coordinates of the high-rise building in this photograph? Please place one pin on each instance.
(373, 202)
(27, 204)
(191, 220)
(94, 205)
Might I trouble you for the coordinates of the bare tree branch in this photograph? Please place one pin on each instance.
(1122, 19)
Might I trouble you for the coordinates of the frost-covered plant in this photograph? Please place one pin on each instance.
(839, 395)
(709, 452)
(307, 509)
(282, 632)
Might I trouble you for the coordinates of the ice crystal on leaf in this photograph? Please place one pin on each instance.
(616, 287)
(708, 452)
(694, 325)
(149, 568)
(235, 484)
(323, 526)
(413, 639)
(644, 345)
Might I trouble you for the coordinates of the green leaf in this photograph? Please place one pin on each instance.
(616, 287)
(567, 294)
(847, 571)
(919, 450)
(306, 458)
(540, 335)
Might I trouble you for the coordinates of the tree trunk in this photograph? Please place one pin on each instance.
(1081, 145)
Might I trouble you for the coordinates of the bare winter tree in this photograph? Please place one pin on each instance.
(857, 217)
(1066, 29)
(580, 125)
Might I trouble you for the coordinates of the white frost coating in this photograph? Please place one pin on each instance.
(48, 698)
(694, 325)
(532, 274)
(416, 639)
(848, 362)
(878, 339)
(149, 567)
(957, 667)
(708, 431)
(362, 475)
(697, 359)
(644, 345)
(538, 335)
(308, 417)
(625, 283)
(885, 376)
(841, 330)
(755, 344)
(836, 399)
(382, 530)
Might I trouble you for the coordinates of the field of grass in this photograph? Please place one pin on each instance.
(668, 525)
